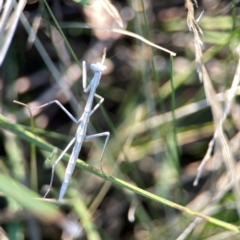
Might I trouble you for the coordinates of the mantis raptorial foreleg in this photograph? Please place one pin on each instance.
(62, 107)
(98, 104)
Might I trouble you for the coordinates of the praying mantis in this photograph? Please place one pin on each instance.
(81, 133)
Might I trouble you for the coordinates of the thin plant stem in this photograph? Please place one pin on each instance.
(62, 34)
(33, 161)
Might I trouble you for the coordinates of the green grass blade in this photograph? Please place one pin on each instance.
(26, 135)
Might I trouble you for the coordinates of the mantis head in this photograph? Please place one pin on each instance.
(98, 67)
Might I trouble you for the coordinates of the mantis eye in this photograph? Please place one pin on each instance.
(92, 66)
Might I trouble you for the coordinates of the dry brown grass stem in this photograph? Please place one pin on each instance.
(111, 9)
(219, 128)
(222, 149)
(194, 27)
(223, 187)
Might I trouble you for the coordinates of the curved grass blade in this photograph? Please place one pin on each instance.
(4, 123)
(116, 30)
(83, 25)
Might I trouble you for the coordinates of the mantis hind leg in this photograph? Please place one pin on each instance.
(56, 162)
(103, 134)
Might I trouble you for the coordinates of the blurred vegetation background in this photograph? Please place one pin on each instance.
(156, 109)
